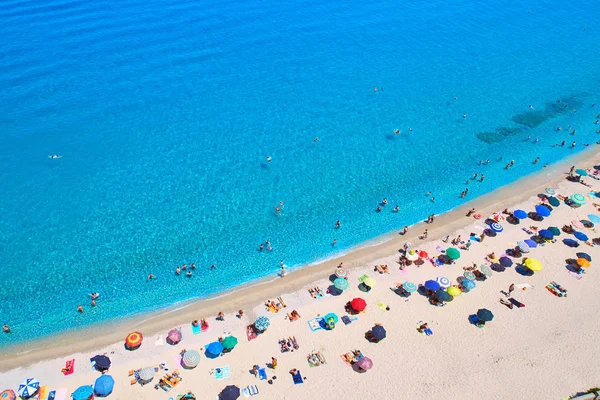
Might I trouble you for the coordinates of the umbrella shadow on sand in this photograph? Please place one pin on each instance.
(332, 290)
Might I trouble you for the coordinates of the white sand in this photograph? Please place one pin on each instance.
(545, 350)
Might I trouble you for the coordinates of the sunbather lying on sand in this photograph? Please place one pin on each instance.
(293, 315)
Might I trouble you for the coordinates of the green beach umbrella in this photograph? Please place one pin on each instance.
(554, 202)
(555, 231)
(453, 253)
(341, 284)
(229, 342)
(581, 172)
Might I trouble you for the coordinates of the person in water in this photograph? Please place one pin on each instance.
(6, 328)
(177, 271)
(80, 309)
(189, 274)
(338, 224)
(151, 276)
(397, 208)
(384, 201)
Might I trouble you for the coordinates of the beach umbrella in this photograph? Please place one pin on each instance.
(29, 387)
(412, 255)
(104, 385)
(174, 336)
(594, 218)
(231, 392)
(577, 199)
(8, 395)
(146, 374)
(582, 262)
(453, 253)
(364, 363)
(134, 340)
(532, 244)
(370, 282)
(520, 214)
(581, 236)
(442, 295)
(497, 217)
(577, 224)
(555, 231)
(341, 272)
(262, 323)
(571, 242)
(341, 283)
(546, 234)
(533, 264)
(102, 361)
(485, 315)
(229, 342)
(496, 227)
(587, 223)
(523, 246)
(487, 271)
(469, 284)
(550, 191)
(409, 287)
(498, 268)
(443, 281)
(543, 211)
(423, 254)
(191, 358)
(469, 275)
(505, 262)
(432, 285)
(358, 304)
(453, 291)
(378, 332)
(554, 202)
(331, 316)
(581, 172)
(584, 255)
(83, 393)
(214, 348)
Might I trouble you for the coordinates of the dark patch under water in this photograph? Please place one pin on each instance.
(498, 135)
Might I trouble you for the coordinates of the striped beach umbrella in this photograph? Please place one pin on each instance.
(550, 191)
(341, 273)
(146, 374)
(486, 270)
(8, 395)
(409, 287)
(496, 227)
(29, 387)
(412, 255)
(469, 275)
(341, 284)
(497, 217)
(578, 198)
(262, 323)
(190, 359)
(443, 281)
(134, 340)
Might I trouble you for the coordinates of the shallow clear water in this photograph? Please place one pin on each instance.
(165, 111)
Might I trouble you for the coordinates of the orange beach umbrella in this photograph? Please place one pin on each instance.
(134, 340)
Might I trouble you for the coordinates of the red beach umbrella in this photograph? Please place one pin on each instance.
(358, 304)
(134, 340)
(423, 254)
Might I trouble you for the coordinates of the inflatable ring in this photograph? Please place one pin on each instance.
(477, 216)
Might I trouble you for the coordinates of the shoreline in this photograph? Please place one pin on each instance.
(247, 296)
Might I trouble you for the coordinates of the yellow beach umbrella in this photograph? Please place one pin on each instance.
(453, 291)
(533, 264)
(370, 282)
(582, 262)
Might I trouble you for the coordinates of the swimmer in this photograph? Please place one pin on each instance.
(338, 224)
(507, 166)
(94, 295)
(428, 194)
(268, 158)
(281, 204)
(184, 267)
(260, 248)
(481, 179)
(536, 140)
(531, 107)
(559, 128)
(528, 137)
(537, 159)
(316, 140)
(572, 144)
(433, 199)
(512, 162)
(278, 210)
(282, 273)
(193, 266)
(474, 176)
(281, 263)
(93, 303)
(189, 274)
(467, 181)
(151, 276)
(6, 329)
(80, 309)
(464, 115)
(562, 143)
(213, 266)
(397, 208)
(454, 99)
(375, 88)
(334, 242)
(409, 129)
(397, 132)
(177, 271)
(378, 209)
(487, 161)
(574, 131)
(384, 201)
(54, 156)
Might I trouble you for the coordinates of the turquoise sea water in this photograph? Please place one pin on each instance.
(164, 113)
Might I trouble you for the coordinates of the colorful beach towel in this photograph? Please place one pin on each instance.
(315, 324)
(382, 306)
(298, 378)
(196, 329)
(70, 367)
(159, 341)
(43, 393)
(58, 394)
(222, 373)
(249, 391)
(347, 319)
(250, 334)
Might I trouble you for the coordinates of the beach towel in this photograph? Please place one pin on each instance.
(60, 394)
(250, 334)
(298, 378)
(382, 306)
(575, 275)
(222, 373)
(516, 303)
(159, 341)
(346, 320)
(315, 324)
(52, 395)
(249, 391)
(204, 328)
(440, 249)
(43, 393)
(262, 374)
(70, 367)
(196, 329)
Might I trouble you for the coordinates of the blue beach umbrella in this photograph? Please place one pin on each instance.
(496, 227)
(532, 244)
(231, 392)
(442, 295)
(485, 315)
(594, 218)
(378, 332)
(214, 349)
(83, 393)
(262, 323)
(432, 285)
(104, 385)
(543, 211)
(554, 202)
(584, 255)
(29, 387)
(409, 287)
(520, 214)
(581, 236)
(571, 242)
(341, 284)
(102, 362)
(546, 234)
(469, 284)
(505, 262)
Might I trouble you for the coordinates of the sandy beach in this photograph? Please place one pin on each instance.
(544, 350)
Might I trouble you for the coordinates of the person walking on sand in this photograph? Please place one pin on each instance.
(405, 230)
(571, 170)
(510, 289)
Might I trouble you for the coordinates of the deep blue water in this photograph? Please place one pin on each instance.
(164, 113)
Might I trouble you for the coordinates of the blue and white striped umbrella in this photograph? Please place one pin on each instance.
(29, 387)
(496, 227)
(443, 281)
(262, 323)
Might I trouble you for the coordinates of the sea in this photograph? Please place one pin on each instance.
(163, 114)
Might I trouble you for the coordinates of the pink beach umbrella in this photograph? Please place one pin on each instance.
(364, 363)
(174, 336)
